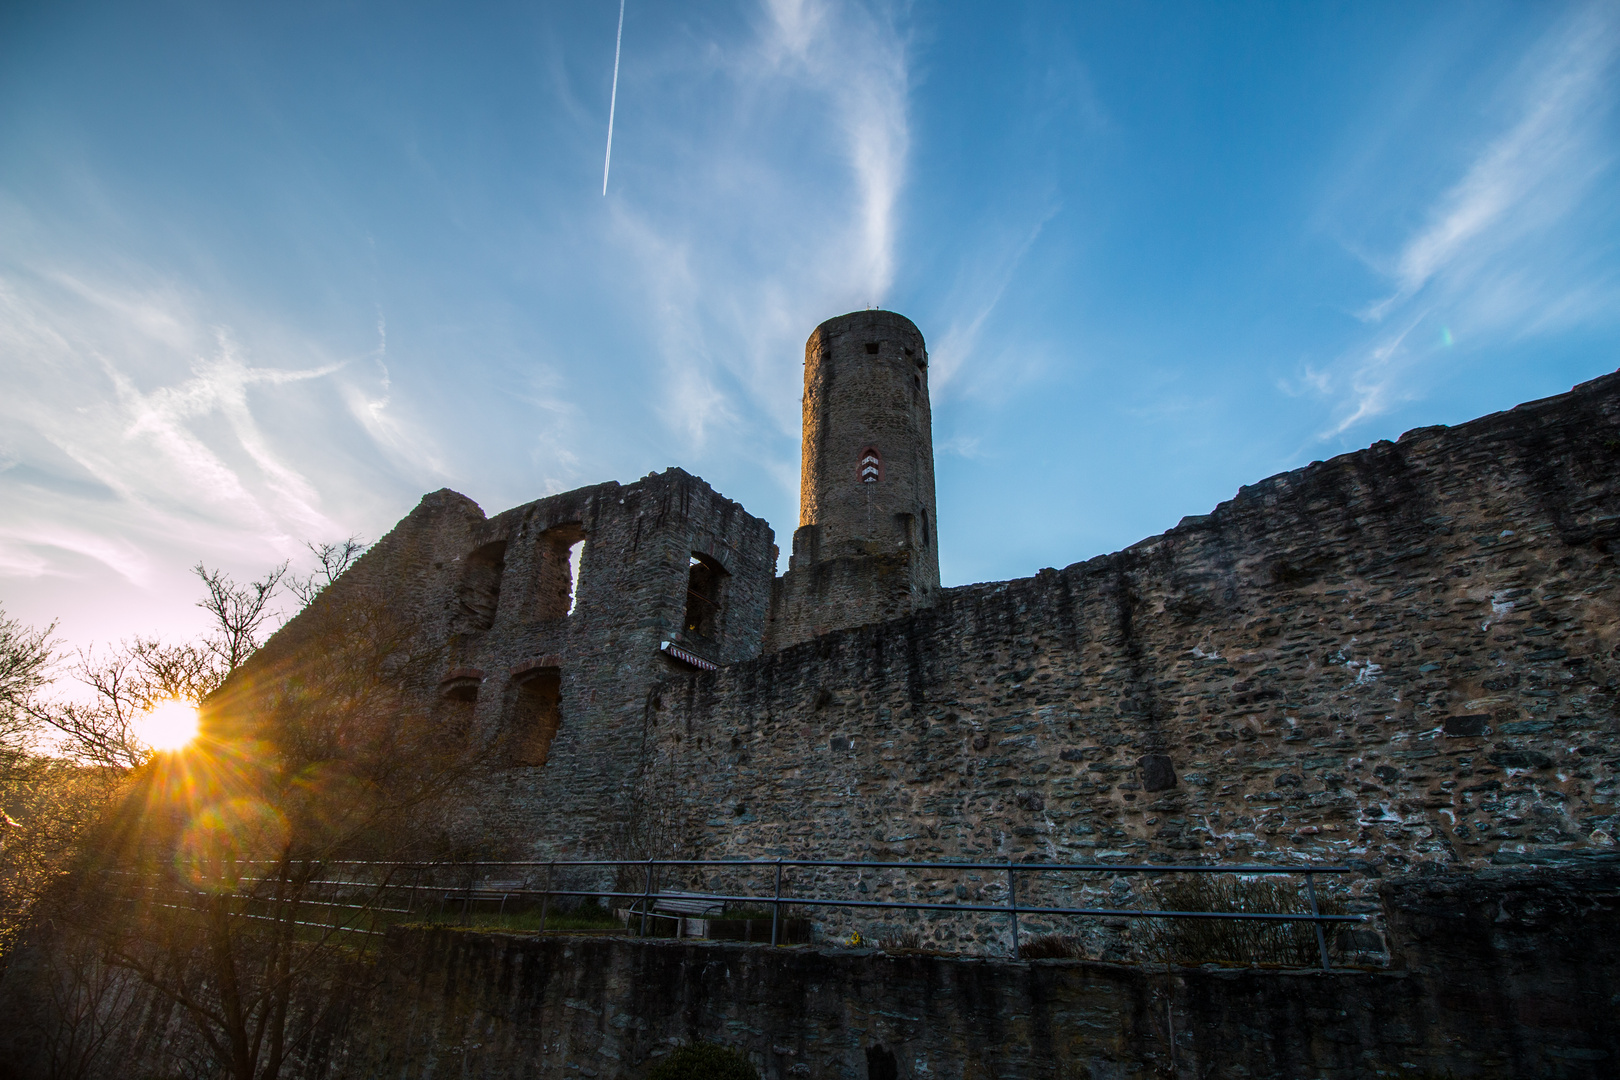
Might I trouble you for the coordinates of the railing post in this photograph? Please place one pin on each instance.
(776, 904)
(1012, 906)
(646, 898)
(466, 899)
(1321, 939)
(545, 898)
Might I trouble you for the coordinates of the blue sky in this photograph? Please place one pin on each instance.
(268, 273)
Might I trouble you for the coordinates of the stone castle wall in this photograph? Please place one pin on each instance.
(494, 595)
(1403, 656)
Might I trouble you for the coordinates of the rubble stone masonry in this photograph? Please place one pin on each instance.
(1405, 657)
(867, 546)
(558, 683)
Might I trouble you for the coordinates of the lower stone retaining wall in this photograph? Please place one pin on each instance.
(1510, 973)
(1505, 975)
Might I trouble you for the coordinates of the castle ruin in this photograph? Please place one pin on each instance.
(1404, 657)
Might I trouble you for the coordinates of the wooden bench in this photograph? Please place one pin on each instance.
(684, 908)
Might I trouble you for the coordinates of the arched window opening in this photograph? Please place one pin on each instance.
(557, 572)
(705, 581)
(869, 469)
(461, 684)
(533, 714)
(478, 592)
(574, 551)
(458, 702)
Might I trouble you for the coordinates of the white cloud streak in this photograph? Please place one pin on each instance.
(857, 58)
(140, 439)
(961, 339)
(752, 237)
(1489, 255)
(1546, 154)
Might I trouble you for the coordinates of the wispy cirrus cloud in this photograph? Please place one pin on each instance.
(855, 56)
(1492, 252)
(986, 283)
(139, 438)
(779, 209)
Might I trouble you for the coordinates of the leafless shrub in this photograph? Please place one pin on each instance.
(240, 612)
(1234, 941)
(1052, 947)
(901, 941)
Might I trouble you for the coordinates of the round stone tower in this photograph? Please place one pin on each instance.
(867, 546)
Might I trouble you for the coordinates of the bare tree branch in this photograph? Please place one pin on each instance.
(126, 682)
(334, 559)
(239, 611)
(26, 656)
(188, 672)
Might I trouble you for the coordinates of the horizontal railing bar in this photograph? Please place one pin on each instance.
(999, 867)
(908, 905)
(1129, 913)
(294, 922)
(316, 925)
(456, 884)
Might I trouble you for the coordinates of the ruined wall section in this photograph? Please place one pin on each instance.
(493, 596)
(633, 594)
(1403, 655)
(409, 572)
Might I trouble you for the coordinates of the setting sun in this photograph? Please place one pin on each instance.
(168, 725)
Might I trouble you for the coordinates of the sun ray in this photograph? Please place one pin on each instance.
(168, 725)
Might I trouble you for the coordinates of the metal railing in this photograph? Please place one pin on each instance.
(393, 883)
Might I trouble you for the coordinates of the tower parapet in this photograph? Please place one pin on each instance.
(867, 546)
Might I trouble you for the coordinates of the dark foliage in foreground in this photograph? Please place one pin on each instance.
(704, 1061)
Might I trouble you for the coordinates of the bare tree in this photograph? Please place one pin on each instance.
(45, 802)
(333, 758)
(26, 658)
(240, 612)
(185, 672)
(125, 682)
(333, 560)
(134, 676)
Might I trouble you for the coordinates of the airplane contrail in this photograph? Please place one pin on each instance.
(613, 100)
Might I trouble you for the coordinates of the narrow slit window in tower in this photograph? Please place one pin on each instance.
(871, 348)
(869, 470)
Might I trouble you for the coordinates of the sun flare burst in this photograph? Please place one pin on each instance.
(168, 725)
